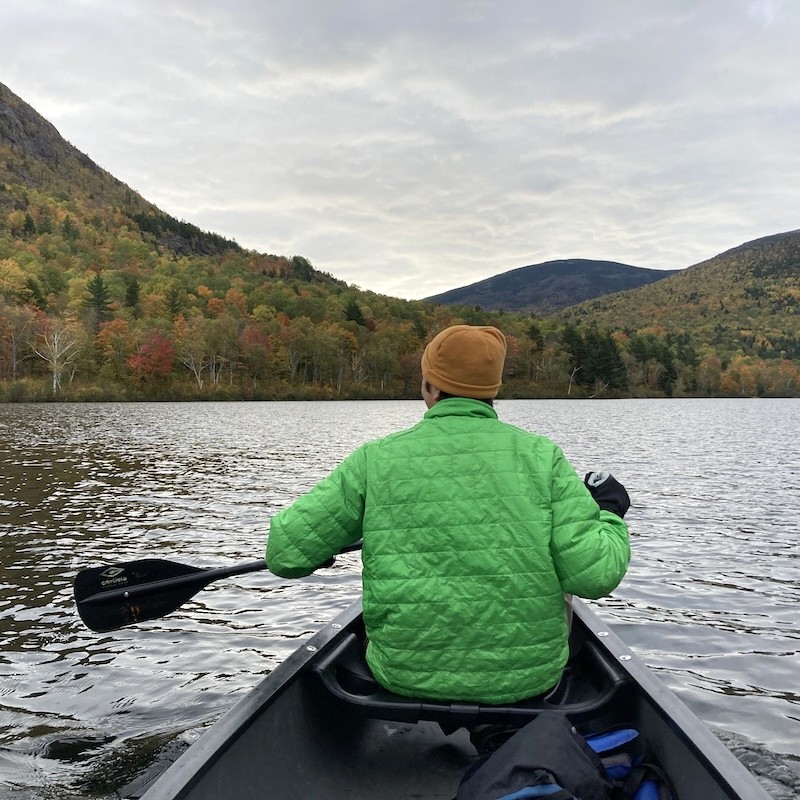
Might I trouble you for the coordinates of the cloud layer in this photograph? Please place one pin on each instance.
(412, 147)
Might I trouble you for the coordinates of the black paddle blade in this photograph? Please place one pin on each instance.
(117, 595)
(112, 597)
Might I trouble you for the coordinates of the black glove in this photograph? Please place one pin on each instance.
(608, 492)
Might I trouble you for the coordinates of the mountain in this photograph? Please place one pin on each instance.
(549, 287)
(42, 177)
(33, 155)
(746, 299)
(103, 296)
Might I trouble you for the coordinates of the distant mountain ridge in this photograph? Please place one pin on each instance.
(153, 307)
(551, 286)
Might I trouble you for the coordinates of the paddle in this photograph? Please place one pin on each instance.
(111, 597)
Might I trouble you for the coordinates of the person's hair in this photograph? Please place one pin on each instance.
(488, 400)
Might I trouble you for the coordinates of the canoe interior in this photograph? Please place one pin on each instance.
(293, 738)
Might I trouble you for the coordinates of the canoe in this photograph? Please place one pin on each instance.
(318, 726)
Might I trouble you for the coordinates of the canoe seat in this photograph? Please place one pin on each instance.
(582, 694)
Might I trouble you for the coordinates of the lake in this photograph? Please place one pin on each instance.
(710, 601)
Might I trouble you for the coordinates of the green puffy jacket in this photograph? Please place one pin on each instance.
(473, 531)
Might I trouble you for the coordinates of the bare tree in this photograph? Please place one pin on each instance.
(191, 344)
(59, 344)
(18, 324)
(572, 375)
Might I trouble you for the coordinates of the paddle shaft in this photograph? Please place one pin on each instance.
(198, 579)
(111, 597)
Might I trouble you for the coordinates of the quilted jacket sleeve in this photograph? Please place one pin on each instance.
(589, 546)
(318, 524)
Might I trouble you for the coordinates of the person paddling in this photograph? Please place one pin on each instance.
(473, 532)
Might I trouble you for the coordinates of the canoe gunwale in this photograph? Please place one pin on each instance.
(717, 759)
(688, 746)
(192, 766)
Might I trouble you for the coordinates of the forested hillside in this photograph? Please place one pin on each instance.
(739, 310)
(104, 296)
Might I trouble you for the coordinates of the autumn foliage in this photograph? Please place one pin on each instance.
(103, 296)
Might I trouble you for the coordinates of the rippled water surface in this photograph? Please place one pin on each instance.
(710, 601)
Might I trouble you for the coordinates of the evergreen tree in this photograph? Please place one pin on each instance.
(132, 289)
(573, 343)
(69, 230)
(670, 374)
(535, 335)
(175, 300)
(97, 303)
(353, 313)
(29, 227)
(45, 223)
(611, 367)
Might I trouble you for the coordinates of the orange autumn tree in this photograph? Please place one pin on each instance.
(153, 358)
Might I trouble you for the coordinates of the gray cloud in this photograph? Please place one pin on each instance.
(410, 147)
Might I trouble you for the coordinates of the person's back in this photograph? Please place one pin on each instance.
(473, 530)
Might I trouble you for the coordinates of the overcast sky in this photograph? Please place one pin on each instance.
(414, 147)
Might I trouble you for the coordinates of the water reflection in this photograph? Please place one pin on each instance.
(710, 600)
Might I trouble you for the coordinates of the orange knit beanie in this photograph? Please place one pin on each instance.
(466, 361)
